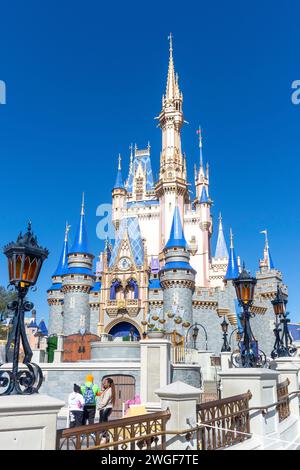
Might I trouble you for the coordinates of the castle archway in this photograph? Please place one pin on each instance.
(123, 327)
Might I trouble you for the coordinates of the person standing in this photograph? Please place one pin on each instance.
(76, 404)
(89, 391)
(106, 401)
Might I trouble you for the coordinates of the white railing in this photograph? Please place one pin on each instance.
(181, 355)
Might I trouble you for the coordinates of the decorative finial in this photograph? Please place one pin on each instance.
(131, 148)
(119, 163)
(170, 37)
(67, 231)
(82, 204)
(148, 146)
(29, 226)
(195, 171)
(199, 132)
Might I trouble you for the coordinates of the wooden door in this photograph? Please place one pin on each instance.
(125, 390)
(78, 348)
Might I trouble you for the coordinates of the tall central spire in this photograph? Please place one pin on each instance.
(171, 81)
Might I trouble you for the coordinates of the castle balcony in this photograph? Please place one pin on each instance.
(129, 306)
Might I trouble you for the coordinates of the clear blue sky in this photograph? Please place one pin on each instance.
(84, 79)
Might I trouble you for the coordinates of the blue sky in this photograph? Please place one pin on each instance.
(85, 79)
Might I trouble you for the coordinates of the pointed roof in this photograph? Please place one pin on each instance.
(80, 244)
(176, 235)
(221, 248)
(119, 179)
(42, 328)
(267, 254)
(232, 268)
(63, 260)
(129, 228)
(141, 157)
(171, 81)
(203, 197)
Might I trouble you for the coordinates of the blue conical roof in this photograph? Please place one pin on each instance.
(176, 236)
(203, 197)
(119, 179)
(232, 268)
(271, 264)
(42, 328)
(80, 244)
(63, 260)
(221, 248)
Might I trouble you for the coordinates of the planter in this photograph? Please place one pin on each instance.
(155, 334)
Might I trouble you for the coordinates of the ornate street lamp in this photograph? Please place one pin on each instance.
(25, 259)
(195, 331)
(225, 346)
(283, 346)
(249, 354)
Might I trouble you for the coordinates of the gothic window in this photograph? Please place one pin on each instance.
(132, 290)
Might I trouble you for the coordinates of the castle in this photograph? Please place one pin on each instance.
(161, 265)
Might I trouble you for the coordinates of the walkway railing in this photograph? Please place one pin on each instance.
(223, 422)
(182, 355)
(143, 432)
(283, 397)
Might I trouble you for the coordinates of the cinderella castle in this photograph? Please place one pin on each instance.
(161, 265)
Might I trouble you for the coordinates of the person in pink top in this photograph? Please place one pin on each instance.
(76, 404)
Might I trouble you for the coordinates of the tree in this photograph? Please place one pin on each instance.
(6, 296)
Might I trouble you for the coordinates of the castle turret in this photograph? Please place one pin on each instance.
(172, 186)
(55, 294)
(118, 198)
(77, 282)
(177, 277)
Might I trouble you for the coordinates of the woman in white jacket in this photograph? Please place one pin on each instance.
(76, 404)
(107, 400)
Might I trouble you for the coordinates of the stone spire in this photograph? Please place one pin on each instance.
(172, 83)
(221, 248)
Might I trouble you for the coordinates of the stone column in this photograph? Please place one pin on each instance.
(207, 370)
(28, 422)
(262, 384)
(181, 399)
(38, 356)
(58, 353)
(226, 360)
(155, 369)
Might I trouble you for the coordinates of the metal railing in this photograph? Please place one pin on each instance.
(223, 422)
(283, 397)
(143, 432)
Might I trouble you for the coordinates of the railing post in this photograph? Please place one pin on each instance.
(181, 399)
(288, 369)
(262, 384)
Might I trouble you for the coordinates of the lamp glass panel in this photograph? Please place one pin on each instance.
(18, 266)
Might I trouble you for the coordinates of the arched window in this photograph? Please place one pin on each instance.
(116, 289)
(132, 290)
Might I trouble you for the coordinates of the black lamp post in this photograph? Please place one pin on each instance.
(283, 346)
(225, 346)
(249, 355)
(25, 259)
(195, 332)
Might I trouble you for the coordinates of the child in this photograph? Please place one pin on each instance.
(76, 403)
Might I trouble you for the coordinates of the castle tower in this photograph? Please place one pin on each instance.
(118, 198)
(219, 262)
(172, 186)
(55, 295)
(177, 277)
(266, 264)
(77, 282)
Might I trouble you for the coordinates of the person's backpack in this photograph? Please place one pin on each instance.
(89, 396)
